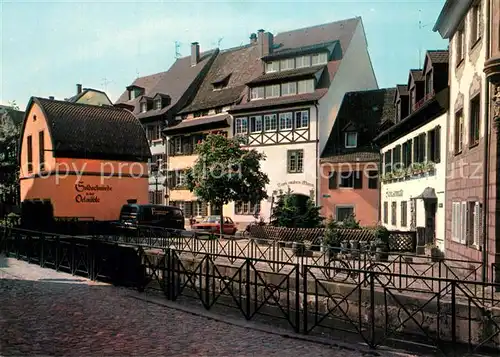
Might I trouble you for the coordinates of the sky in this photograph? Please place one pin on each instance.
(47, 47)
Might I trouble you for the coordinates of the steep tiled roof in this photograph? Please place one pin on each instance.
(294, 73)
(341, 31)
(365, 111)
(242, 64)
(439, 56)
(358, 156)
(89, 131)
(293, 99)
(179, 82)
(417, 75)
(84, 91)
(402, 89)
(279, 52)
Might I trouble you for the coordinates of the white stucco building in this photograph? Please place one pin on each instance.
(291, 108)
(414, 154)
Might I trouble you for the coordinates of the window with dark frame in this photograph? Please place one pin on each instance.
(295, 161)
(404, 213)
(332, 180)
(396, 157)
(41, 149)
(460, 45)
(394, 209)
(434, 145)
(29, 144)
(386, 212)
(475, 30)
(429, 85)
(388, 161)
(343, 212)
(474, 120)
(459, 131)
(373, 180)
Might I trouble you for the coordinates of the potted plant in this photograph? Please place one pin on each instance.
(417, 168)
(430, 166)
(381, 240)
(435, 253)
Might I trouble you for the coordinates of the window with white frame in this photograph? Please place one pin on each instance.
(466, 223)
(295, 161)
(287, 64)
(246, 208)
(144, 107)
(241, 125)
(460, 44)
(158, 104)
(180, 179)
(475, 23)
(320, 58)
(289, 88)
(197, 208)
(301, 119)
(270, 122)
(256, 124)
(303, 61)
(257, 93)
(178, 145)
(351, 140)
(272, 66)
(306, 86)
(273, 91)
(286, 121)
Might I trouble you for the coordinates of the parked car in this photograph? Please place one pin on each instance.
(134, 215)
(212, 224)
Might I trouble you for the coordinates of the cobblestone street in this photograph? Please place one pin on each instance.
(43, 312)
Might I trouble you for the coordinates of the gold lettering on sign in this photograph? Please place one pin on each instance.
(87, 193)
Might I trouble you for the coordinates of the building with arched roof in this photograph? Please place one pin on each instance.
(87, 160)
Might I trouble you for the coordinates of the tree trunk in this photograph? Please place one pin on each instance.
(221, 220)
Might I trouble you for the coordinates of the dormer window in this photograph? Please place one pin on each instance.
(429, 85)
(287, 64)
(158, 104)
(306, 86)
(351, 140)
(257, 93)
(398, 110)
(144, 107)
(412, 98)
(134, 92)
(320, 58)
(303, 61)
(221, 83)
(272, 66)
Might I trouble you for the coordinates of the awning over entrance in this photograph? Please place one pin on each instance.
(428, 194)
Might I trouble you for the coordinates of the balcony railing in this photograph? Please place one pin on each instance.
(421, 102)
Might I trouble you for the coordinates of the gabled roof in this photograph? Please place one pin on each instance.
(92, 132)
(341, 31)
(439, 56)
(180, 82)
(76, 98)
(367, 111)
(417, 75)
(241, 64)
(401, 90)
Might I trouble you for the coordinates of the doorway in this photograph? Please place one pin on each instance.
(430, 207)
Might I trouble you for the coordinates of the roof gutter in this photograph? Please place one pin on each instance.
(487, 135)
(451, 16)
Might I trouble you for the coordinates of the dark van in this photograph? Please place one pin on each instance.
(133, 215)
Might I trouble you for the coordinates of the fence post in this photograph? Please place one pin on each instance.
(304, 298)
(166, 273)
(207, 281)
(453, 314)
(297, 298)
(42, 244)
(247, 288)
(372, 309)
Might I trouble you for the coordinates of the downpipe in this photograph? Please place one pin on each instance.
(487, 136)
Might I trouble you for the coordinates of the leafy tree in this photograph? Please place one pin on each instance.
(226, 172)
(295, 211)
(9, 170)
(350, 222)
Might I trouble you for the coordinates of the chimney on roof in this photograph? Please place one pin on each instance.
(195, 53)
(265, 41)
(253, 38)
(78, 88)
(51, 97)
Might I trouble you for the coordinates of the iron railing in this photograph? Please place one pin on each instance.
(449, 316)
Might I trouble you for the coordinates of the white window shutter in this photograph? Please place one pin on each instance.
(463, 223)
(454, 221)
(477, 224)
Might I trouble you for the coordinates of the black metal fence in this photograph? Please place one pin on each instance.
(447, 316)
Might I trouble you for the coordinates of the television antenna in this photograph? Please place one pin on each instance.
(421, 26)
(177, 50)
(105, 83)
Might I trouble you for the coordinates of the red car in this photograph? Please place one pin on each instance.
(212, 224)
